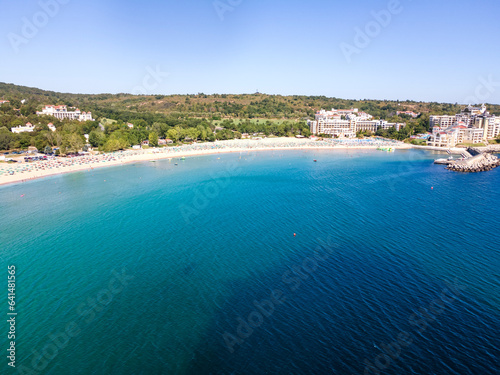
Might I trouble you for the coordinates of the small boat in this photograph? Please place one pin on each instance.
(183, 158)
(315, 160)
(388, 149)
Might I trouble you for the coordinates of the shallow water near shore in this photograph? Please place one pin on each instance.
(151, 268)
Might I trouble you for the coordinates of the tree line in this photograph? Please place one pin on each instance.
(114, 133)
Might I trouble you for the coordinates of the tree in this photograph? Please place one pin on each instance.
(153, 139)
(97, 138)
(202, 131)
(114, 144)
(192, 133)
(73, 142)
(111, 145)
(160, 128)
(47, 150)
(88, 126)
(173, 134)
(24, 140)
(6, 137)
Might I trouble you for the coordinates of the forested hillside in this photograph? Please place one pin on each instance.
(185, 117)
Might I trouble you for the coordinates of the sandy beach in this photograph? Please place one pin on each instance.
(20, 172)
(453, 150)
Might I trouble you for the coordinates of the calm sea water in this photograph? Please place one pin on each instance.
(157, 268)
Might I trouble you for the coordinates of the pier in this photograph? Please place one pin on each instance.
(478, 162)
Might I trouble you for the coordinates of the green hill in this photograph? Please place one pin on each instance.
(186, 116)
(219, 105)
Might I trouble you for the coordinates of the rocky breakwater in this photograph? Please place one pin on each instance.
(480, 162)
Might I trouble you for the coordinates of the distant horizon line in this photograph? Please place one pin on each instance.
(255, 93)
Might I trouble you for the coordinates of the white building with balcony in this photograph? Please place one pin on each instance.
(408, 113)
(61, 112)
(471, 125)
(442, 121)
(344, 123)
(28, 128)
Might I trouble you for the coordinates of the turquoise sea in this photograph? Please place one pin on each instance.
(363, 262)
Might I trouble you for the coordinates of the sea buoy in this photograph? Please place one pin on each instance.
(294, 234)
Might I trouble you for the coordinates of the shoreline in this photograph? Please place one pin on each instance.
(87, 163)
(453, 150)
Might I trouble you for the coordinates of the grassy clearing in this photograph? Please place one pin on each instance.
(107, 121)
(465, 144)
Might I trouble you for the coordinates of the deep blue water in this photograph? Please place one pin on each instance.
(202, 248)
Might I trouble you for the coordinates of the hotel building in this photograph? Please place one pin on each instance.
(344, 123)
(472, 125)
(409, 113)
(28, 128)
(61, 112)
(441, 121)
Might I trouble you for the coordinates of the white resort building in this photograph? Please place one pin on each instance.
(472, 125)
(344, 123)
(61, 112)
(28, 128)
(408, 113)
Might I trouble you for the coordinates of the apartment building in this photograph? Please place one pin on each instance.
(344, 123)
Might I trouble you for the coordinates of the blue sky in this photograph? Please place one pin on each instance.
(420, 50)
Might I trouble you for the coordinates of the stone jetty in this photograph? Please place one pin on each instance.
(478, 162)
